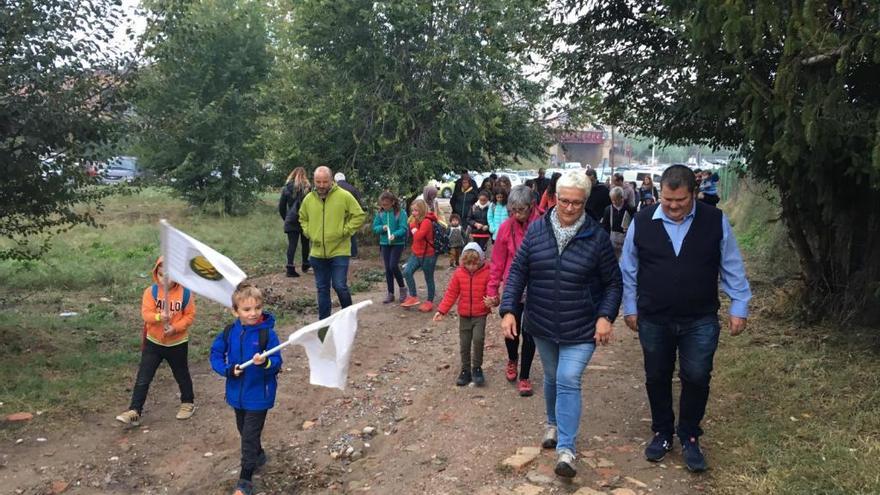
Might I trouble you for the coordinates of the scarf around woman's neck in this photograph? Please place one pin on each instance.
(564, 235)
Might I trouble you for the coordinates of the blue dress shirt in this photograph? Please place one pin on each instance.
(733, 271)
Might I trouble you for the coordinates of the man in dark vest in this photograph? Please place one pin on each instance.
(673, 257)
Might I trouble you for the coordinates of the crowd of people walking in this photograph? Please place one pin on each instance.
(557, 257)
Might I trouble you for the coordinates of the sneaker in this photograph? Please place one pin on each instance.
(463, 378)
(402, 294)
(389, 298)
(244, 487)
(426, 307)
(551, 436)
(660, 445)
(479, 379)
(186, 410)
(130, 417)
(511, 371)
(410, 301)
(693, 455)
(525, 388)
(565, 464)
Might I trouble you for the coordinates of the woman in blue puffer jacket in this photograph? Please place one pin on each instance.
(567, 269)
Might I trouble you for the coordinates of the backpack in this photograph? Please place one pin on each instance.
(264, 336)
(186, 293)
(441, 237)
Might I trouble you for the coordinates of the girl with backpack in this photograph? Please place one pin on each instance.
(423, 256)
(292, 195)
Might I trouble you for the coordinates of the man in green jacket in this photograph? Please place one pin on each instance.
(329, 217)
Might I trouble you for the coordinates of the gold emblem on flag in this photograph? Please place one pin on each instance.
(204, 268)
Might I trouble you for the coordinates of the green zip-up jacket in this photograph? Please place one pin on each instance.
(329, 223)
(397, 224)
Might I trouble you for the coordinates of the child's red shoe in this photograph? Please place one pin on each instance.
(426, 307)
(525, 388)
(410, 301)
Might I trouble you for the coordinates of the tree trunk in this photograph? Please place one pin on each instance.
(840, 257)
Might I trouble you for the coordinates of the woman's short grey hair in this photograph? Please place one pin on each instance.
(617, 192)
(577, 180)
(520, 197)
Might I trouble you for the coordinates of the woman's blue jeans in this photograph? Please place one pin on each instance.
(427, 265)
(564, 367)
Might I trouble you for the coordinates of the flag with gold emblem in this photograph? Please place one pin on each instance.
(198, 267)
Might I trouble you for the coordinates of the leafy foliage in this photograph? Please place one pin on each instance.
(59, 102)
(197, 99)
(789, 84)
(396, 92)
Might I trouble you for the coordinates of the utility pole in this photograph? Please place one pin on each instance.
(611, 152)
(653, 147)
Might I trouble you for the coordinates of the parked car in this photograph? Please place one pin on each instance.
(120, 169)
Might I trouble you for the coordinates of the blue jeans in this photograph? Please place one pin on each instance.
(427, 265)
(695, 340)
(563, 369)
(331, 271)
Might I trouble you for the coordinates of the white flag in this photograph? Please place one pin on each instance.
(197, 267)
(328, 360)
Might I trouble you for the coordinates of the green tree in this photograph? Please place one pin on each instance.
(790, 85)
(59, 105)
(396, 92)
(197, 102)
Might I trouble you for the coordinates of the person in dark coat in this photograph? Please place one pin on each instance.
(600, 197)
(566, 267)
(292, 194)
(617, 218)
(463, 198)
(541, 183)
(479, 221)
(339, 178)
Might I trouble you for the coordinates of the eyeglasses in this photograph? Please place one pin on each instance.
(520, 209)
(567, 203)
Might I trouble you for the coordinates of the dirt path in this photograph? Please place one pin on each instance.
(430, 436)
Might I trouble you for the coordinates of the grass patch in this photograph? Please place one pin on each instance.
(364, 280)
(68, 364)
(794, 409)
(798, 411)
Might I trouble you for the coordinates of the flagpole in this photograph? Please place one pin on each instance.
(318, 324)
(166, 282)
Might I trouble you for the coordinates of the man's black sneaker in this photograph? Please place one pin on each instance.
(660, 445)
(479, 379)
(463, 378)
(693, 455)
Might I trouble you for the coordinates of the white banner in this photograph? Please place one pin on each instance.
(197, 267)
(328, 360)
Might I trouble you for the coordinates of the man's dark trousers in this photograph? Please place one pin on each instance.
(695, 341)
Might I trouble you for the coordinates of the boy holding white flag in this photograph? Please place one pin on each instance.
(250, 391)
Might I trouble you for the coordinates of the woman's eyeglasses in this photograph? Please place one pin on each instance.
(567, 203)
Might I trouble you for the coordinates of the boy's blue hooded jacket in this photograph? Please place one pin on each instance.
(253, 390)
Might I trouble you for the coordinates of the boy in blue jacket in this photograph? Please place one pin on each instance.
(250, 391)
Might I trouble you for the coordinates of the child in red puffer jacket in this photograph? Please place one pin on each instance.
(468, 287)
